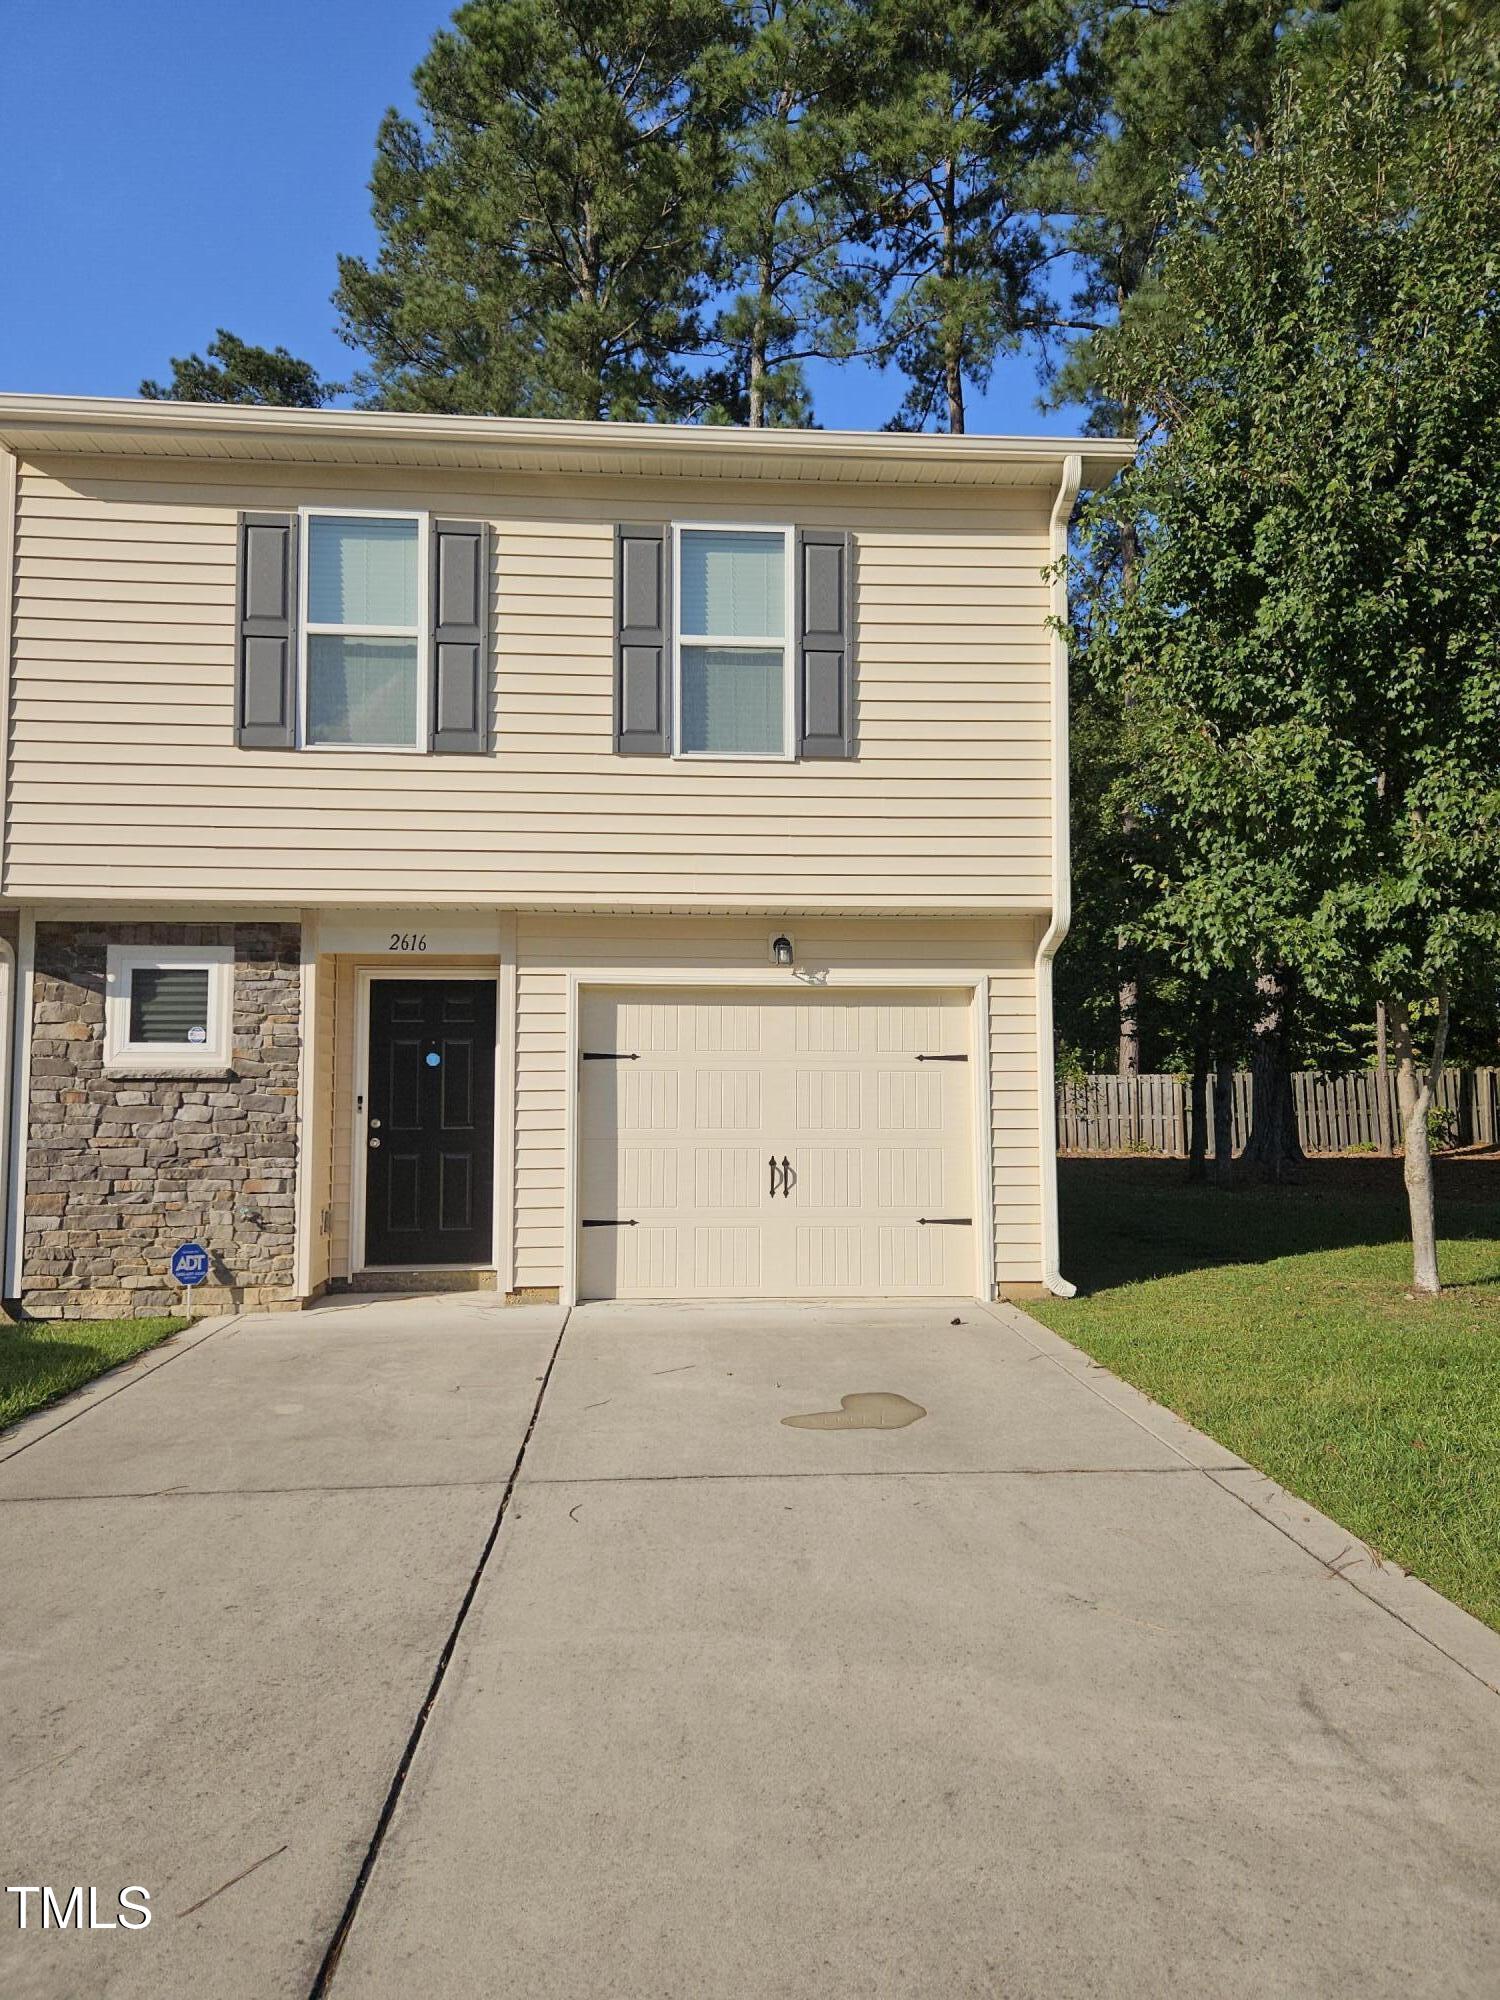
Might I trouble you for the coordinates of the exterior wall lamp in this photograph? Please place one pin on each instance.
(783, 952)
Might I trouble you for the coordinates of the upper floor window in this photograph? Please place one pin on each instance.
(364, 665)
(733, 656)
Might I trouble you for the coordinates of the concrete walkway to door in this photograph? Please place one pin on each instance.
(1040, 1694)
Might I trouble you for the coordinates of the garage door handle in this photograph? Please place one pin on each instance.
(932, 1221)
(773, 1176)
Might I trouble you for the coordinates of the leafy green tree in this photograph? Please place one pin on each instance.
(235, 371)
(1312, 642)
(543, 225)
(963, 101)
(1159, 88)
(1156, 88)
(795, 280)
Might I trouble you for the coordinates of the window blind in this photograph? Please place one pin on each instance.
(167, 1002)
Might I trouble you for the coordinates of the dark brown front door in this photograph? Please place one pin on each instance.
(430, 1122)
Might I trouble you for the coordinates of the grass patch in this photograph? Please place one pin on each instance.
(1278, 1320)
(41, 1360)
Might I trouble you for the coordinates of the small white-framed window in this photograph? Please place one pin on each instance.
(169, 1007)
(732, 655)
(364, 640)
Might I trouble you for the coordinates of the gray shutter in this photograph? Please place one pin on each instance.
(825, 642)
(266, 679)
(643, 671)
(460, 624)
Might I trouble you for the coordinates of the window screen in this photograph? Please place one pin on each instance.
(362, 649)
(169, 1004)
(732, 696)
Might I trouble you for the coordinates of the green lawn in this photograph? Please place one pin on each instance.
(41, 1360)
(1279, 1322)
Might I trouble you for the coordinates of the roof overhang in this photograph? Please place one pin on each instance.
(90, 426)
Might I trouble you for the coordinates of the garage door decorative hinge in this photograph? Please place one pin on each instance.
(958, 1221)
(607, 1055)
(942, 1058)
(609, 1222)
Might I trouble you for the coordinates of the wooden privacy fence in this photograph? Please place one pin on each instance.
(1335, 1114)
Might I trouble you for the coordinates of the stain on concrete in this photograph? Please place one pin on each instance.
(872, 1410)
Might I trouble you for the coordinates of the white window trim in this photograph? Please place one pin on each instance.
(788, 752)
(169, 1058)
(420, 631)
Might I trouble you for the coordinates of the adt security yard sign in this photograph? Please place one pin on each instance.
(190, 1264)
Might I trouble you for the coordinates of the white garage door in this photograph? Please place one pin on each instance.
(812, 1145)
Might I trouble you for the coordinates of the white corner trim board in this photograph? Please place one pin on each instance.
(1062, 884)
(10, 536)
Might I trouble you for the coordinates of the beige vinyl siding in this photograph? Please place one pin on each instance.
(1016, 1158)
(595, 948)
(550, 948)
(124, 773)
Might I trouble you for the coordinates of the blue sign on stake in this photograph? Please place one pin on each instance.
(190, 1265)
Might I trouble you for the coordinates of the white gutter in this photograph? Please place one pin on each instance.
(1062, 884)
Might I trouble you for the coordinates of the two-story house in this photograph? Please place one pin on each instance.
(592, 860)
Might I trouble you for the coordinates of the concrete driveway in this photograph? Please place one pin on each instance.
(1040, 1694)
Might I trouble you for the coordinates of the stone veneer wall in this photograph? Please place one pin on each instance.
(121, 1170)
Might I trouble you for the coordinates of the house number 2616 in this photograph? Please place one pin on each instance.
(408, 941)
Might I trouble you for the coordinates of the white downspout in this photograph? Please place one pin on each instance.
(1062, 883)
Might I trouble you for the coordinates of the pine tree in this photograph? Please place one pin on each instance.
(790, 222)
(964, 100)
(236, 371)
(543, 224)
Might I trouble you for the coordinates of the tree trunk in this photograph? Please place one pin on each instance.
(1130, 1029)
(953, 388)
(1130, 986)
(953, 358)
(1416, 1091)
(1197, 1168)
(1382, 1084)
(1273, 1151)
(1224, 1122)
(758, 349)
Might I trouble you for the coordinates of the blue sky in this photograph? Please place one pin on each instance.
(169, 168)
